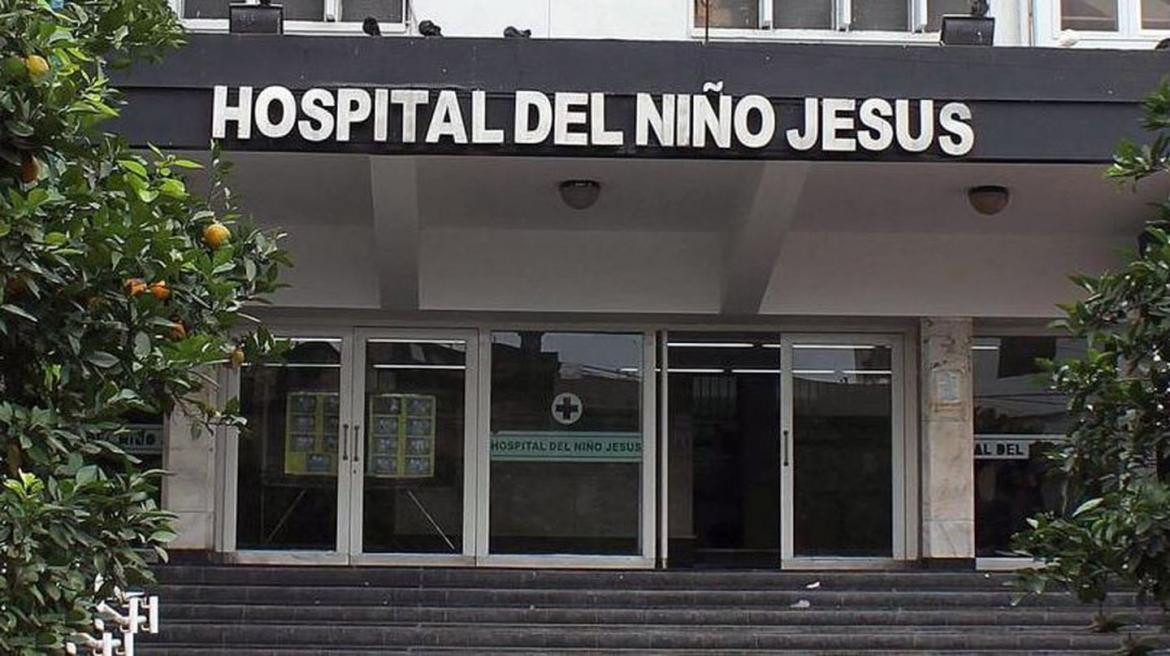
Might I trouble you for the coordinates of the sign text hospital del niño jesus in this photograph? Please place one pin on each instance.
(426, 120)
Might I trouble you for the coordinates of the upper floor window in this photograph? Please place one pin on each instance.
(1103, 23)
(839, 15)
(1088, 15)
(312, 14)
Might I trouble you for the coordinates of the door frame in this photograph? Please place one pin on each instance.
(466, 555)
(477, 456)
(648, 488)
(339, 555)
(899, 450)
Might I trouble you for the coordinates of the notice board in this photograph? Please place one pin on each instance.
(401, 436)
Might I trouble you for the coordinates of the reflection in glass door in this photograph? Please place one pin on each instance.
(841, 448)
(289, 454)
(566, 444)
(410, 447)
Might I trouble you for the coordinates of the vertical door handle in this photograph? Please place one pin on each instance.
(357, 442)
(345, 441)
(784, 447)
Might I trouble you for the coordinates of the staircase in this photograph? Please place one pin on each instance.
(322, 611)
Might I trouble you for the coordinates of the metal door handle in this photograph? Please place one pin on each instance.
(784, 447)
(357, 442)
(345, 441)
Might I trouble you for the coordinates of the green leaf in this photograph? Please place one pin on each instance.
(133, 166)
(86, 475)
(18, 311)
(173, 187)
(101, 359)
(1087, 506)
(141, 345)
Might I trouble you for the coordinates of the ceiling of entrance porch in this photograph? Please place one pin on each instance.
(685, 236)
(693, 195)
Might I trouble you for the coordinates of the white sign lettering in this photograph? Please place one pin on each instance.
(581, 119)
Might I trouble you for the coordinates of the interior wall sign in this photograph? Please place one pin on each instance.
(424, 120)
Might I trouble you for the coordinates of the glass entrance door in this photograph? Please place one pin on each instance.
(783, 451)
(567, 469)
(358, 448)
(724, 449)
(842, 448)
(291, 476)
(413, 448)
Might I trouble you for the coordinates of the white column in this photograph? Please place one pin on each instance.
(948, 441)
(189, 490)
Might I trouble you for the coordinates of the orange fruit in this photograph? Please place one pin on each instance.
(36, 65)
(30, 169)
(216, 235)
(237, 357)
(178, 331)
(134, 286)
(160, 290)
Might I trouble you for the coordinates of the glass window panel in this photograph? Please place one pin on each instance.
(743, 14)
(1013, 401)
(566, 443)
(386, 11)
(841, 450)
(1088, 15)
(304, 10)
(1012, 395)
(936, 9)
(413, 446)
(1011, 485)
(887, 15)
(288, 452)
(1156, 14)
(724, 457)
(206, 8)
(803, 14)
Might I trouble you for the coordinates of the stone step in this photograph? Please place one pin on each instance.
(463, 597)
(675, 637)
(554, 579)
(200, 650)
(1076, 617)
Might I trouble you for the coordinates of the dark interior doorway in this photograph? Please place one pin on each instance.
(724, 450)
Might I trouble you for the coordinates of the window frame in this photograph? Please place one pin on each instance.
(842, 17)
(331, 12)
(1129, 34)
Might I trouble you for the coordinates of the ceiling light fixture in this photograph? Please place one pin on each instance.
(580, 194)
(988, 199)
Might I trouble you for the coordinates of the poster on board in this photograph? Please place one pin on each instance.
(401, 436)
(310, 433)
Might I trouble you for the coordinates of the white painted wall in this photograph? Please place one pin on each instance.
(619, 19)
(333, 266)
(563, 270)
(485, 18)
(916, 274)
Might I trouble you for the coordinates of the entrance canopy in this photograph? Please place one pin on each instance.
(736, 179)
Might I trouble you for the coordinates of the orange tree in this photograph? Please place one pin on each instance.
(119, 290)
(1115, 464)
